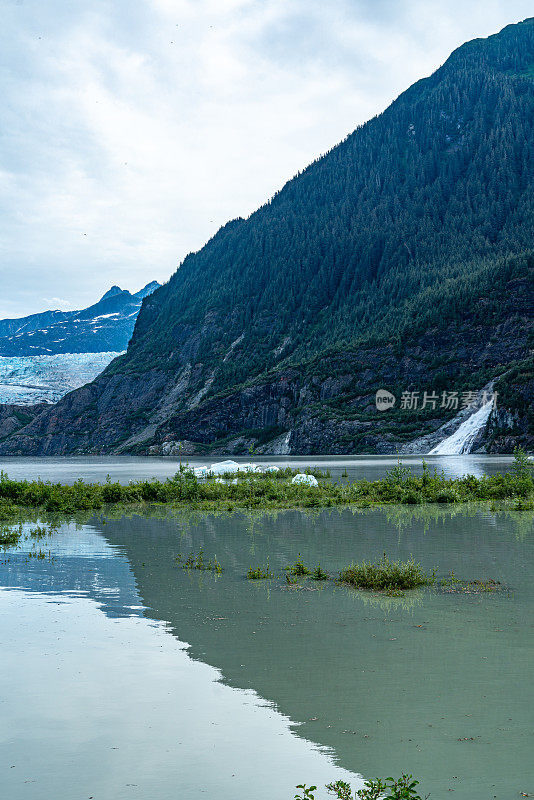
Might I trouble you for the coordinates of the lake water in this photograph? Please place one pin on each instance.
(123, 676)
(127, 468)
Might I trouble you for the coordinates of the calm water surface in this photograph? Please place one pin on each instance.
(127, 468)
(123, 676)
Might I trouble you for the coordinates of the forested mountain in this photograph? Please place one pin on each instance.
(402, 259)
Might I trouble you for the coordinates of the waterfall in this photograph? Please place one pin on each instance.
(462, 439)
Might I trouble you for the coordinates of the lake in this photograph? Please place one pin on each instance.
(124, 676)
(67, 469)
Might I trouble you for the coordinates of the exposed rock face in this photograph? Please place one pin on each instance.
(327, 408)
(512, 422)
(15, 417)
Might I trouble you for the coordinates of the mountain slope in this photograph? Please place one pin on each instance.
(105, 326)
(401, 259)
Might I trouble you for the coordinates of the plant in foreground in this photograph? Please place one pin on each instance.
(307, 792)
(522, 466)
(404, 788)
(259, 573)
(385, 575)
(9, 536)
(197, 562)
(298, 568)
(319, 574)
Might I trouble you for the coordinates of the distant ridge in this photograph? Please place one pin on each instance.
(105, 326)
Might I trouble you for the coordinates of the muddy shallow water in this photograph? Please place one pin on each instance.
(124, 676)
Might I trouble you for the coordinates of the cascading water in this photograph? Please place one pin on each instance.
(462, 439)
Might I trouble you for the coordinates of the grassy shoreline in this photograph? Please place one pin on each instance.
(270, 491)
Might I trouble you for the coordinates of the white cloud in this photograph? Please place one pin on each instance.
(132, 130)
(57, 303)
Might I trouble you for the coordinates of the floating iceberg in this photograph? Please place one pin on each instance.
(308, 480)
(224, 467)
(230, 467)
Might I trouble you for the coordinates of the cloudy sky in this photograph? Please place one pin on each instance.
(132, 129)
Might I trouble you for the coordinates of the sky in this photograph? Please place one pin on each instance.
(131, 130)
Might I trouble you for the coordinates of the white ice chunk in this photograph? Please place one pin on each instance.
(224, 467)
(309, 480)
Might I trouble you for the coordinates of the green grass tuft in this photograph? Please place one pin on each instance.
(385, 575)
(9, 536)
(319, 574)
(298, 568)
(197, 561)
(259, 573)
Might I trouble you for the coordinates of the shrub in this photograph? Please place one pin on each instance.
(9, 536)
(298, 568)
(319, 574)
(446, 496)
(259, 573)
(411, 497)
(384, 575)
(404, 788)
(112, 492)
(522, 466)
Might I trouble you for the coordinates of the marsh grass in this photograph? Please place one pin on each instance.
(523, 505)
(8, 511)
(319, 574)
(197, 561)
(9, 536)
(40, 531)
(41, 555)
(473, 586)
(259, 573)
(404, 788)
(385, 575)
(298, 568)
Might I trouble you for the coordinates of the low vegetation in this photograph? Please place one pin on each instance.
(380, 576)
(452, 584)
(197, 561)
(404, 788)
(260, 573)
(9, 536)
(319, 574)
(298, 569)
(269, 491)
(385, 575)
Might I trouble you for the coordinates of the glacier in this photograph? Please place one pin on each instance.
(26, 380)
